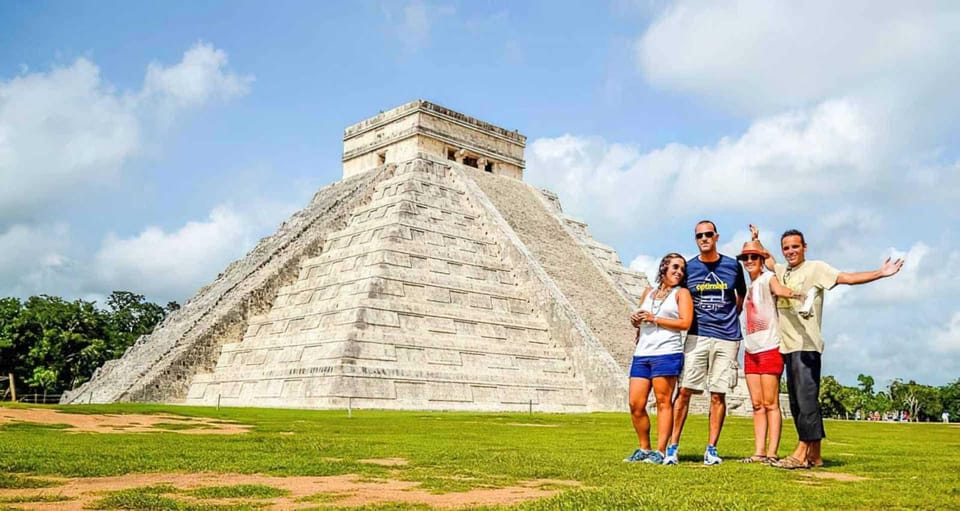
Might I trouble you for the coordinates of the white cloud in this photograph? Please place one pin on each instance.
(415, 21)
(649, 265)
(58, 129)
(159, 263)
(199, 77)
(68, 127)
(947, 339)
(763, 55)
(32, 258)
(172, 265)
(780, 161)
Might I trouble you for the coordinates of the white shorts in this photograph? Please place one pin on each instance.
(710, 364)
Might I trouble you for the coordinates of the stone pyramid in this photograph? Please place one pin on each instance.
(430, 277)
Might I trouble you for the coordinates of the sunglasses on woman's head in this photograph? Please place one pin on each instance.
(706, 234)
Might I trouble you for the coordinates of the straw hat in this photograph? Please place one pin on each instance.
(753, 247)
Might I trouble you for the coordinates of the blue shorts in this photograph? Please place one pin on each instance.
(657, 365)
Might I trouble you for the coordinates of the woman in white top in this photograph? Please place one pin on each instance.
(665, 313)
(763, 364)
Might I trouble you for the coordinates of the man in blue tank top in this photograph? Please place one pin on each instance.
(718, 287)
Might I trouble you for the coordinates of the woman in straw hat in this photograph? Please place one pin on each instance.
(763, 364)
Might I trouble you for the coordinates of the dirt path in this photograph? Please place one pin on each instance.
(122, 423)
(344, 490)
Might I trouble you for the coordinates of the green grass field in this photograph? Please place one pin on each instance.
(905, 466)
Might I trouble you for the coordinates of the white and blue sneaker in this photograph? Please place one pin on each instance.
(654, 457)
(710, 456)
(671, 457)
(638, 455)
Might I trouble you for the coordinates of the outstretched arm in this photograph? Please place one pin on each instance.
(768, 260)
(890, 268)
(779, 289)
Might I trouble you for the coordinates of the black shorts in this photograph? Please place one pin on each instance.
(803, 385)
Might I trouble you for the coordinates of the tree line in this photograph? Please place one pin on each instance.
(920, 402)
(50, 344)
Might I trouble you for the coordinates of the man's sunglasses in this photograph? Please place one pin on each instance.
(707, 234)
(750, 257)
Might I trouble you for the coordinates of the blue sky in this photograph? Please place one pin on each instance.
(144, 146)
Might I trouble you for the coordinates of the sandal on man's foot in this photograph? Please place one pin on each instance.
(791, 463)
(771, 460)
(815, 464)
(756, 458)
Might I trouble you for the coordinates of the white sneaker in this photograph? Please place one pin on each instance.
(671, 457)
(710, 456)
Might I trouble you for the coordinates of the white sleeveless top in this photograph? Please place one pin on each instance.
(657, 340)
(761, 317)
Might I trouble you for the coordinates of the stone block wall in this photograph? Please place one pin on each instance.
(160, 366)
(591, 291)
(422, 302)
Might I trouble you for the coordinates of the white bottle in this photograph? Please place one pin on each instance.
(806, 309)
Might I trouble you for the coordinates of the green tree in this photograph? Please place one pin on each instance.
(51, 344)
(133, 316)
(880, 402)
(43, 378)
(950, 399)
(833, 396)
(920, 401)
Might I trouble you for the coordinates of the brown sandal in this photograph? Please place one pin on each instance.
(756, 458)
(771, 460)
(791, 463)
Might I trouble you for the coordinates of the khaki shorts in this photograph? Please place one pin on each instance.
(709, 364)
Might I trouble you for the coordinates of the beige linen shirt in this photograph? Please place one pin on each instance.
(798, 333)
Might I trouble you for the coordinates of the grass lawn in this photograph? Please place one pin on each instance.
(905, 466)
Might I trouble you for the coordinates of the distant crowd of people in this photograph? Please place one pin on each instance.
(704, 297)
(900, 416)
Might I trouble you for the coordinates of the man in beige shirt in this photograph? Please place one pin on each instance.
(801, 342)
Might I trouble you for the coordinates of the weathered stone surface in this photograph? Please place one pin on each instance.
(424, 286)
(402, 133)
(591, 291)
(160, 366)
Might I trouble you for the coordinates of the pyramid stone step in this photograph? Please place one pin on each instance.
(602, 304)
(288, 362)
(159, 366)
(429, 232)
(519, 343)
(379, 381)
(399, 251)
(320, 273)
(474, 285)
(364, 311)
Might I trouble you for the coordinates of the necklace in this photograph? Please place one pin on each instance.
(788, 273)
(654, 306)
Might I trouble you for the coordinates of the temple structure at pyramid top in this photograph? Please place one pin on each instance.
(421, 127)
(430, 277)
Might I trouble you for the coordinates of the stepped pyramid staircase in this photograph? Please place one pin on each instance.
(415, 304)
(421, 296)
